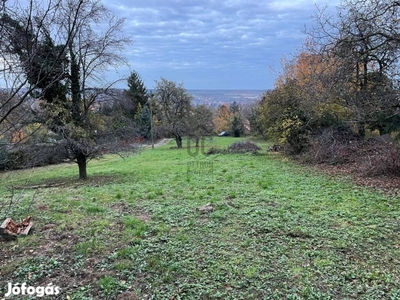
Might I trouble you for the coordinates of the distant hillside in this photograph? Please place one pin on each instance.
(212, 98)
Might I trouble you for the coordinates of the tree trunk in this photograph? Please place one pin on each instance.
(361, 129)
(197, 142)
(82, 163)
(178, 140)
(189, 148)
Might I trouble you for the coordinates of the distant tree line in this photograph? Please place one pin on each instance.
(171, 110)
(57, 104)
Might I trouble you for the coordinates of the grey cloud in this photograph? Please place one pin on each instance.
(190, 37)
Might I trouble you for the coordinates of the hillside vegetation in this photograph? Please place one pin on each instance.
(132, 229)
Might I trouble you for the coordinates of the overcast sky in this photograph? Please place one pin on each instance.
(214, 44)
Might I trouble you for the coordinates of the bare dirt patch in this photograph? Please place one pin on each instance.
(160, 143)
(127, 296)
(143, 217)
(123, 208)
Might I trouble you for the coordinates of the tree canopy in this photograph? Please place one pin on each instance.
(58, 55)
(346, 76)
(173, 105)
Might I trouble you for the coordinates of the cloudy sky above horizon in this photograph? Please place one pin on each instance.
(210, 44)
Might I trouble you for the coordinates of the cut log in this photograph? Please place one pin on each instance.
(4, 225)
(13, 229)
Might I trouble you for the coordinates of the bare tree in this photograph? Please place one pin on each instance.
(61, 54)
(363, 43)
(200, 123)
(92, 51)
(173, 107)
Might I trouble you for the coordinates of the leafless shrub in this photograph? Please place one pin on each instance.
(380, 159)
(371, 157)
(333, 146)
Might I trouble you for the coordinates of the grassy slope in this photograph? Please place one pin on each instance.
(278, 230)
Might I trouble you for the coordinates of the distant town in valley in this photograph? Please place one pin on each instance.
(212, 98)
(217, 97)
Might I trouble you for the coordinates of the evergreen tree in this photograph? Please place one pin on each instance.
(144, 122)
(137, 92)
(236, 121)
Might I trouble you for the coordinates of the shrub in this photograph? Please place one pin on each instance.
(334, 145)
(243, 147)
(339, 146)
(294, 134)
(381, 159)
(35, 155)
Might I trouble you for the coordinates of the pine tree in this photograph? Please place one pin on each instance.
(137, 92)
(144, 122)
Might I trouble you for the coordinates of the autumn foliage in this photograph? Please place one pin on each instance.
(222, 117)
(343, 85)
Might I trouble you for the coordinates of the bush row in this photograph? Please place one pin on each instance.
(30, 155)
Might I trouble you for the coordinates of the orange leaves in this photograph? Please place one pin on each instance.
(222, 118)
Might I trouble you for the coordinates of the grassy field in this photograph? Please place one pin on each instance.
(132, 231)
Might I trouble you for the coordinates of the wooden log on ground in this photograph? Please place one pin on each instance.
(11, 229)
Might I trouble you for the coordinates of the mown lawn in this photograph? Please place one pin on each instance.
(132, 231)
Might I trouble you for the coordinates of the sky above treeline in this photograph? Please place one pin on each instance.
(214, 44)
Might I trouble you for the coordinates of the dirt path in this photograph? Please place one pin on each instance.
(160, 143)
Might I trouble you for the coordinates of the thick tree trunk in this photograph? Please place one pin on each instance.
(178, 140)
(82, 163)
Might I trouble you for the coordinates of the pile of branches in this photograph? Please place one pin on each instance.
(333, 146)
(244, 147)
(371, 157)
(239, 147)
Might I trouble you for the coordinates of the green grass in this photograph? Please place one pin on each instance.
(278, 230)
